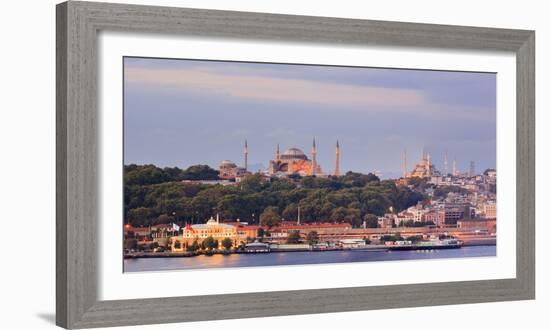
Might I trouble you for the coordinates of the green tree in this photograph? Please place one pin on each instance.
(312, 237)
(353, 179)
(163, 219)
(371, 220)
(353, 216)
(193, 247)
(260, 233)
(177, 245)
(199, 172)
(209, 243)
(140, 216)
(227, 243)
(252, 183)
(290, 212)
(270, 217)
(338, 214)
(293, 237)
(156, 195)
(130, 244)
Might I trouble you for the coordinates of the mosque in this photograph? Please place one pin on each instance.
(423, 169)
(292, 161)
(295, 161)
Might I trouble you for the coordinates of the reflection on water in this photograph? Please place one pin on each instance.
(298, 258)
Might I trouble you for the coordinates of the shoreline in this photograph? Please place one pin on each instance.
(372, 248)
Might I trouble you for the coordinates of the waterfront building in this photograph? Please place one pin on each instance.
(199, 232)
(437, 216)
(139, 233)
(164, 230)
(490, 210)
(478, 224)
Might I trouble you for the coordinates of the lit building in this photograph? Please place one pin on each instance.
(199, 232)
(423, 169)
(490, 210)
(295, 161)
(478, 224)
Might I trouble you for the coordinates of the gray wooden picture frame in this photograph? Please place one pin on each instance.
(78, 24)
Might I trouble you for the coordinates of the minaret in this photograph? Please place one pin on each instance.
(313, 159)
(428, 165)
(454, 168)
(445, 165)
(277, 153)
(405, 162)
(337, 167)
(245, 155)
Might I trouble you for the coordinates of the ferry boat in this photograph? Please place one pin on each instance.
(448, 243)
(257, 247)
(360, 245)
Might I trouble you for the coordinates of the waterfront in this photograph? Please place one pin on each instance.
(298, 258)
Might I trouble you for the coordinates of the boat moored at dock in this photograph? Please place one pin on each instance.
(435, 244)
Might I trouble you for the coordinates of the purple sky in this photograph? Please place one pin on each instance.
(185, 112)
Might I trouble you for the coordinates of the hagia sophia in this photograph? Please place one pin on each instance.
(292, 161)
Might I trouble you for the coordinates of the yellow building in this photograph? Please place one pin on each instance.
(199, 232)
(423, 169)
(490, 210)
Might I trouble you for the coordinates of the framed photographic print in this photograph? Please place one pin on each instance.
(263, 165)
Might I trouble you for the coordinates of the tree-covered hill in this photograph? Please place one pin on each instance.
(158, 195)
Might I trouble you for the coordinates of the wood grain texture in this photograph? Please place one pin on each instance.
(77, 157)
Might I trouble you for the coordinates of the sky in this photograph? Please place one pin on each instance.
(183, 112)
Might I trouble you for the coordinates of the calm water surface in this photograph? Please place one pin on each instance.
(298, 258)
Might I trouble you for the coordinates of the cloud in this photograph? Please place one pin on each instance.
(276, 89)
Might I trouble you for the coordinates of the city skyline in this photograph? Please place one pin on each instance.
(186, 112)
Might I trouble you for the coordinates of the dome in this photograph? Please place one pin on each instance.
(227, 163)
(293, 153)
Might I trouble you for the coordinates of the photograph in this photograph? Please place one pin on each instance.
(249, 164)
